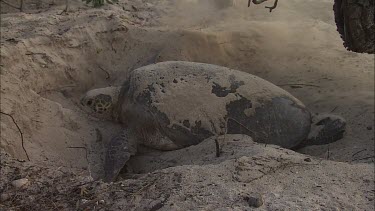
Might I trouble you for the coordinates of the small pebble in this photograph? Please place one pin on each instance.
(255, 201)
(84, 201)
(307, 159)
(20, 183)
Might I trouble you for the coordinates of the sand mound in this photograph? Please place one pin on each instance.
(280, 178)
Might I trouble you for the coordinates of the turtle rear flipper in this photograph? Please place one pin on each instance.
(325, 129)
(119, 150)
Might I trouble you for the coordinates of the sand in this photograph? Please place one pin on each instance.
(49, 60)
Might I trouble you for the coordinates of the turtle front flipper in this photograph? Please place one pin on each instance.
(325, 129)
(119, 150)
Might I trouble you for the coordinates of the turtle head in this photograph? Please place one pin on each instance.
(102, 101)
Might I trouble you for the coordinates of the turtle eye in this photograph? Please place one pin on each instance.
(89, 102)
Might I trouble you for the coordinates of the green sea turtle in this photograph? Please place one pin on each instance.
(171, 105)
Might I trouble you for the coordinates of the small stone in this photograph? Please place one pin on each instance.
(20, 182)
(4, 197)
(255, 201)
(84, 201)
(307, 159)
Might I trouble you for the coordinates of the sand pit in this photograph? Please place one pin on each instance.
(49, 60)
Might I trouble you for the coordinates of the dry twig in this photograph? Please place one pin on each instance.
(274, 6)
(299, 84)
(14, 6)
(365, 158)
(66, 7)
(218, 150)
(142, 188)
(19, 130)
(334, 109)
(108, 75)
(252, 132)
(358, 152)
(217, 147)
(21, 6)
(57, 89)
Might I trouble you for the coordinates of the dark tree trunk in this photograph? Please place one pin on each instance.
(355, 23)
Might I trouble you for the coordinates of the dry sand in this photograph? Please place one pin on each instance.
(49, 60)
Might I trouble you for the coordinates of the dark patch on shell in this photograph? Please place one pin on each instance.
(184, 137)
(145, 97)
(224, 91)
(279, 121)
(236, 112)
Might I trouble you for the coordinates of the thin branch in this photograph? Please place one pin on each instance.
(142, 188)
(85, 183)
(230, 118)
(363, 112)
(34, 53)
(273, 7)
(108, 75)
(358, 152)
(57, 89)
(298, 84)
(334, 109)
(21, 6)
(19, 130)
(365, 158)
(99, 136)
(66, 7)
(113, 48)
(11, 5)
(217, 148)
